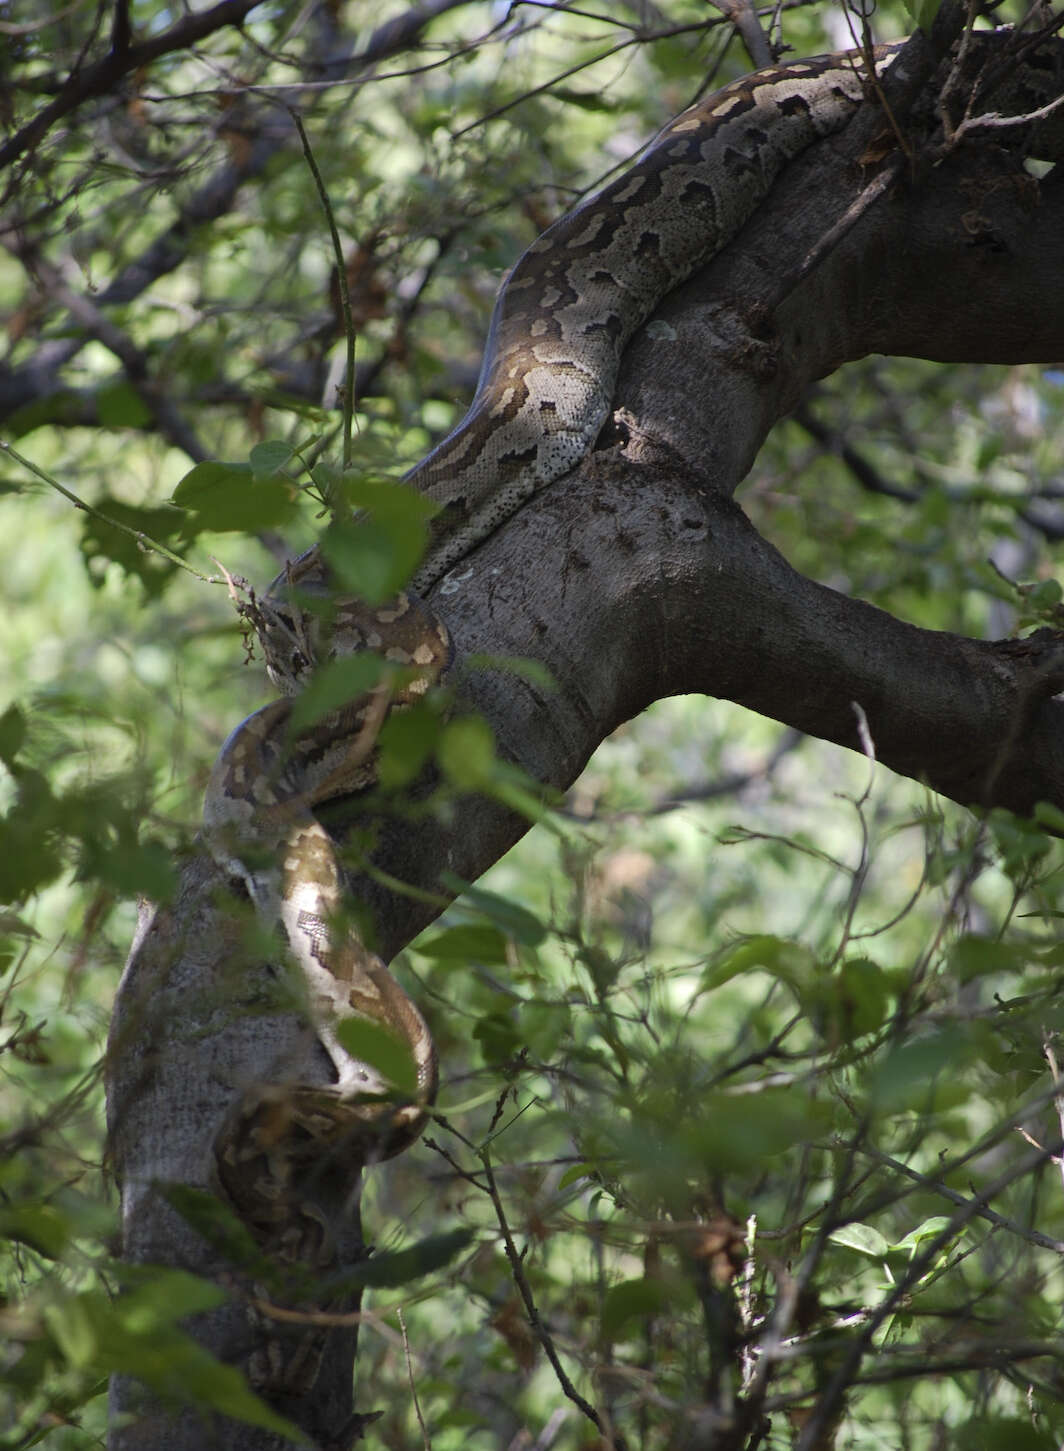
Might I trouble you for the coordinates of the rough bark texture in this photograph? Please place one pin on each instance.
(635, 578)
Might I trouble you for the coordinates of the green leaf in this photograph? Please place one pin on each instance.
(407, 741)
(1001, 1433)
(336, 684)
(74, 1331)
(214, 1220)
(14, 926)
(224, 497)
(737, 1131)
(30, 855)
(12, 734)
(922, 1073)
(1021, 844)
(466, 753)
(635, 1300)
(138, 868)
(498, 1036)
(849, 1002)
(790, 962)
(923, 12)
(595, 100)
(156, 1295)
(119, 405)
(375, 555)
(573, 1173)
(862, 1238)
(543, 1027)
(972, 956)
(135, 1334)
(379, 1049)
(42, 1226)
(102, 543)
(269, 458)
(863, 993)
(929, 1229)
(602, 967)
(388, 501)
(525, 668)
(1042, 597)
(400, 1267)
(1050, 817)
(470, 942)
(515, 920)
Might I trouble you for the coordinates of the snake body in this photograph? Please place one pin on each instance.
(259, 823)
(560, 326)
(575, 298)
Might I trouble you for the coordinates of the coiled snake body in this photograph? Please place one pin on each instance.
(560, 325)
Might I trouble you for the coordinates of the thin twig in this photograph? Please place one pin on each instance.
(743, 15)
(831, 1397)
(145, 541)
(348, 391)
(1033, 1236)
(525, 1291)
(101, 78)
(830, 239)
(413, 1388)
(991, 120)
(133, 359)
(1058, 1099)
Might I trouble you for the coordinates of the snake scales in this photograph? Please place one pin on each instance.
(560, 326)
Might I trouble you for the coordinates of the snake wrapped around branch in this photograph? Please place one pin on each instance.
(561, 323)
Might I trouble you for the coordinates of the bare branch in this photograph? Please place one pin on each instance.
(101, 78)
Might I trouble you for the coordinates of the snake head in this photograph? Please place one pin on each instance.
(292, 621)
(290, 639)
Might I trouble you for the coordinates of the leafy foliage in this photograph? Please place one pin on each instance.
(751, 1058)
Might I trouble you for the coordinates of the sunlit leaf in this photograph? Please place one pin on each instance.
(865, 1239)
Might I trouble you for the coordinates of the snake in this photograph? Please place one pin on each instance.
(259, 821)
(561, 322)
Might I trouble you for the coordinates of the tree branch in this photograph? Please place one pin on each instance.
(266, 130)
(101, 78)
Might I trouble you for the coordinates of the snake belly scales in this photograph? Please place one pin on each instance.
(560, 325)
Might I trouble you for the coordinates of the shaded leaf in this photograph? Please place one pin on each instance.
(469, 942)
(789, 961)
(336, 684)
(379, 1049)
(119, 405)
(102, 541)
(375, 555)
(12, 734)
(635, 1300)
(514, 919)
(466, 753)
(223, 497)
(407, 741)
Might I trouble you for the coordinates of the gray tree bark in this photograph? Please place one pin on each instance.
(633, 578)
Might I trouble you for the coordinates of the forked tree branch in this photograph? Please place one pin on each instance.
(637, 577)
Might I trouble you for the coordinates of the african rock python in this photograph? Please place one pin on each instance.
(561, 323)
